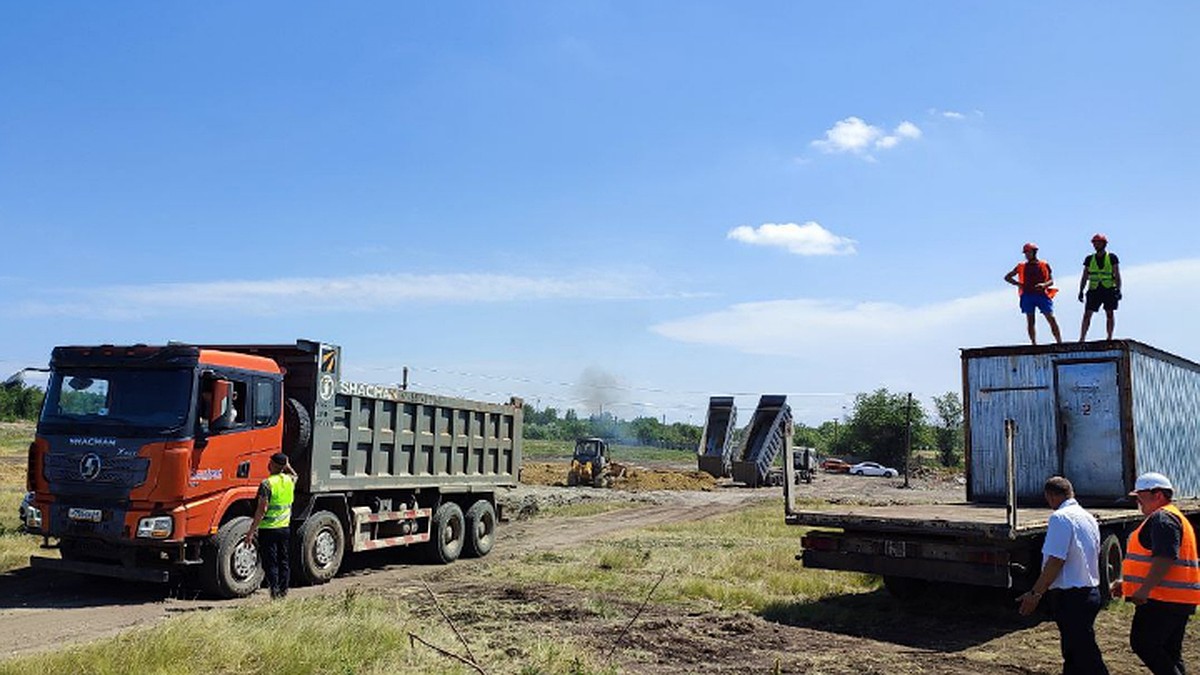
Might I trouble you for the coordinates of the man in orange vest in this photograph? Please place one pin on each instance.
(1034, 282)
(1161, 575)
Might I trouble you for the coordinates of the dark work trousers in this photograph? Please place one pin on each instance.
(274, 545)
(1157, 637)
(1075, 610)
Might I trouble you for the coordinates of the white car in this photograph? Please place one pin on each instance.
(873, 469)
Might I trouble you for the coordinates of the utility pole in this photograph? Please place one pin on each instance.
(907, 437)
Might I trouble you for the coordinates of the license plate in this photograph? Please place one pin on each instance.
(86, 515)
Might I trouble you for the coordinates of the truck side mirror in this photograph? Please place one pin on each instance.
(220, 412)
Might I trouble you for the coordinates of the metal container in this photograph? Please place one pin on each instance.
(1099, 413)
(768, 435)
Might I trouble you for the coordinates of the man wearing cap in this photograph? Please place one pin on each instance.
(1070, 579)
(1102, 279)
(1034, 282)
(1161, 575)
(273, 523)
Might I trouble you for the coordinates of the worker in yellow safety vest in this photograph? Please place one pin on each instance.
(273, 523)
(1161, 575)
(1101, 279)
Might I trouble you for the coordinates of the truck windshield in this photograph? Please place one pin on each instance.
(154, 401)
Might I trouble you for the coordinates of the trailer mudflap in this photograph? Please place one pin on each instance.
(151, 575)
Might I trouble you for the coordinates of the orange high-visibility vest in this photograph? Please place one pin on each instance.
(1050, 292)
(1182, 583)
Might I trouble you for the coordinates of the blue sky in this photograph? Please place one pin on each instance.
(632, 205)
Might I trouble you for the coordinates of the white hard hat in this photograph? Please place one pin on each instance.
(1152, 480)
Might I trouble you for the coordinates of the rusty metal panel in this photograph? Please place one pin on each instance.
(1166, 418)
(1089, 412)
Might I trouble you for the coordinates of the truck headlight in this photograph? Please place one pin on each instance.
(156, 527)
(33, 518)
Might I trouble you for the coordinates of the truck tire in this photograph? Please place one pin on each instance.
(447, 530)
(320, 547)
(231, 568)
(297, 427)
(1110, 565)
(481, 529)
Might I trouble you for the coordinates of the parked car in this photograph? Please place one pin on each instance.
(873, 469)
(835, 465)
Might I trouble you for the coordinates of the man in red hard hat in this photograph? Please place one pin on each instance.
(1102, 279)
(1035, 285)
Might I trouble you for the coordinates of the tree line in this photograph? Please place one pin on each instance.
(19, 402)
(876, 428)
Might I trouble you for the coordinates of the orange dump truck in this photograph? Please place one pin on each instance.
(147, 460)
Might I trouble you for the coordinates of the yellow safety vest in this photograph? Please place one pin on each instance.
(1182, 582)
(1100, 275)
(279, 508)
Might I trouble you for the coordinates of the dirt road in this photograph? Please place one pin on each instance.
(41, 611)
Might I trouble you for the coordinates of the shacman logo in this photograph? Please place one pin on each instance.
(92, 441)
(89, 466)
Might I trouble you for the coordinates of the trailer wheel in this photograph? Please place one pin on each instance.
(321, 543)
(1110, 565)
(446, 533)
(481, 529)
(297, 427)
(231, 568)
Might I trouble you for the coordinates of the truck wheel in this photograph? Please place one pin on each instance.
(446, 534)
(321, 543)
(572, 480)
(231, 568)
(1110, 565)
(297, 427)
(481, 529)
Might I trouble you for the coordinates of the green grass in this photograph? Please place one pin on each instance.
(742, 561)
(15, 438)
(350, 633)
(581, 509)
(15, 547)
(544, 450)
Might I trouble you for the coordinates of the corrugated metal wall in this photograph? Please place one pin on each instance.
(1166, 421)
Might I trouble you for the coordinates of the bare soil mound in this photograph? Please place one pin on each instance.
(628, 477)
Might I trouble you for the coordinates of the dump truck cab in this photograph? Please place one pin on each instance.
(141, 451)
(590, 463)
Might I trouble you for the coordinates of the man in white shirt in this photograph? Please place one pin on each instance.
(1070, 578)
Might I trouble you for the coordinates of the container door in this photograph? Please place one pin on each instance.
(1090, 428)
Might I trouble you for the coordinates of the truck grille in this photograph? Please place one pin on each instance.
(126, 471)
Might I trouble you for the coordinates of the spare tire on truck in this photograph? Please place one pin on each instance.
(297, 427)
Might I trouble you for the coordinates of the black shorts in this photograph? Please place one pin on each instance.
(1101, 296)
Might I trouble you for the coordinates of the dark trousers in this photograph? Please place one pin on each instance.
(1075, 610)
(274, 544)
(1157, 637)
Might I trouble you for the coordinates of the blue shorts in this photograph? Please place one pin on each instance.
(1038, 301)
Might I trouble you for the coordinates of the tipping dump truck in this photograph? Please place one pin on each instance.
(147, 460)
(768, 436)
(1098, 413)
(715, 454)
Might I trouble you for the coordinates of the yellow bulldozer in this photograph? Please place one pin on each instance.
(591, 464)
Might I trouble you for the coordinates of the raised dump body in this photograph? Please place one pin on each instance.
(769, 434)
(148, 459)
(715, 454)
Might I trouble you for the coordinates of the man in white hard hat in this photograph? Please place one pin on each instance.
(1161, 575)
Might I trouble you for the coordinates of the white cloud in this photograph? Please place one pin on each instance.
(858, 346)
(331, 294)
(807, 239)
(853, 135)
(953, 115)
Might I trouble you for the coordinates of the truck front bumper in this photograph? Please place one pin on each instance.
(117, 571)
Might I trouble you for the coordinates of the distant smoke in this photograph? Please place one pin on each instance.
(599, 390)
